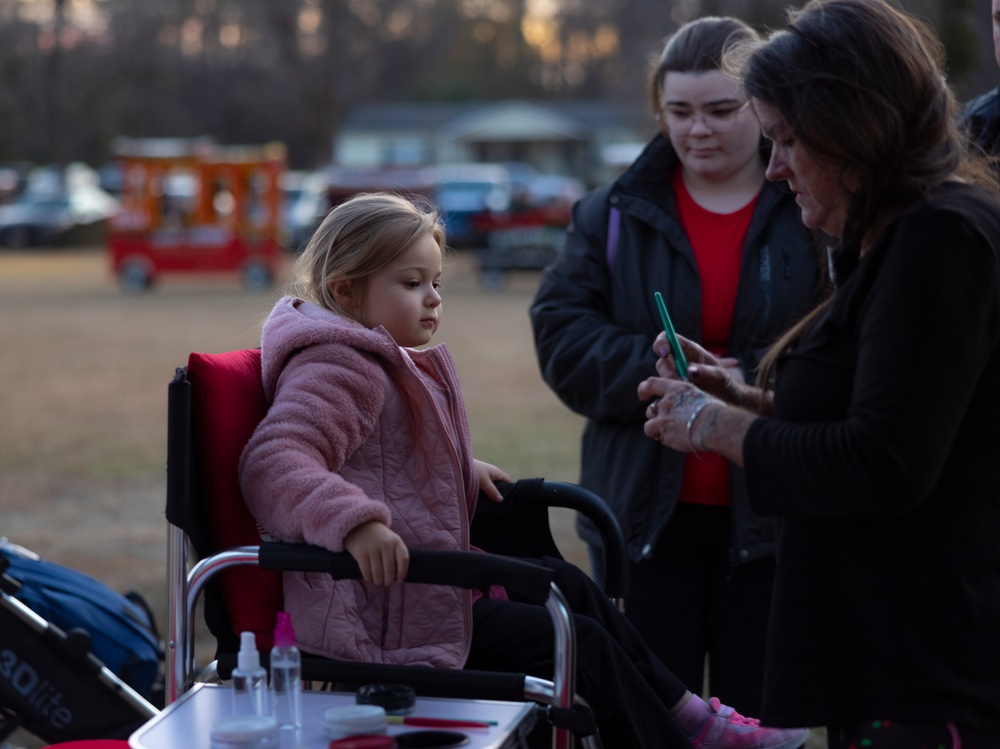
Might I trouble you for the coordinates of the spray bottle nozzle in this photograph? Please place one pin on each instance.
(249, 658)
(284, 633)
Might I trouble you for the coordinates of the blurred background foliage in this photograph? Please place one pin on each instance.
(76, 73)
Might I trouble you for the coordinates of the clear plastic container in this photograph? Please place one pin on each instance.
(354, 720)
(246, 732)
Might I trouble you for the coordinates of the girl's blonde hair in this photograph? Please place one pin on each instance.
(357, 238)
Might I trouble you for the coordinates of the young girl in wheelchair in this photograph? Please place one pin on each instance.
(366, 448)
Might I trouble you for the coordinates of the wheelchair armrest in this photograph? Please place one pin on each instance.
(461, 569)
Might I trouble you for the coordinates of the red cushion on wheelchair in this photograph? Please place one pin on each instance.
(227, 403)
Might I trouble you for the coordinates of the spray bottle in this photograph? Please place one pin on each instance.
(249, 679)
(286, 680)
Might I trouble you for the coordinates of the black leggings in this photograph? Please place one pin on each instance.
(688, 601)
(630, 691)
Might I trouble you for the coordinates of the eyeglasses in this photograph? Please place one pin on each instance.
(719, 118)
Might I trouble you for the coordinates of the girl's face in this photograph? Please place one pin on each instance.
(818, 186)
(714, 134)
(404, 297)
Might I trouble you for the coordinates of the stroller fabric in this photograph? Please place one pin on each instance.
(121, 629)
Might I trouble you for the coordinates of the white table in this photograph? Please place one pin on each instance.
(187, 723)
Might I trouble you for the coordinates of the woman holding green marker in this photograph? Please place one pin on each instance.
(873, 436)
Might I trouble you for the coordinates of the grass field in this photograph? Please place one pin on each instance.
(84, 376)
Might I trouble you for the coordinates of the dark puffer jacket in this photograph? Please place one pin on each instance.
(594, 328)
(982, 120)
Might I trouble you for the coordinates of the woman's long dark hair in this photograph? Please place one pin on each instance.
(862, 86)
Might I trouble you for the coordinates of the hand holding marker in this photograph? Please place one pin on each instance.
(675, 347)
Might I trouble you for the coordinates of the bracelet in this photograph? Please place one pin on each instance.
(690, 422)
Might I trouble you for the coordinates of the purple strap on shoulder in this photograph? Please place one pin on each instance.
(614, 227)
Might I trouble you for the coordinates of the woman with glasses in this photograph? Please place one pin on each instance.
(692, 218)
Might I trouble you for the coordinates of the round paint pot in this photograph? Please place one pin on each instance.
(353, 720)
(396, 699)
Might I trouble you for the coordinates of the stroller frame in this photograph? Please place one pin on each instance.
(40, 664)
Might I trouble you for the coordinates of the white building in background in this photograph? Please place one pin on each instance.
(576, 138)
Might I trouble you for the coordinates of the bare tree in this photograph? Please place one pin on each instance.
(258, 70)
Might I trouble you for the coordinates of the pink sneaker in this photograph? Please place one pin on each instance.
(727, 729)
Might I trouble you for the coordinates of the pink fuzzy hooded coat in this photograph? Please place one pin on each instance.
(361, 429)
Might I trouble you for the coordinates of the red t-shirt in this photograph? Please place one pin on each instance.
(717, 240)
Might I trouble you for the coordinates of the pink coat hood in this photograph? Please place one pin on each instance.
(361, 429)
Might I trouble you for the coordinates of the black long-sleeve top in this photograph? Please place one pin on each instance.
(883, 464)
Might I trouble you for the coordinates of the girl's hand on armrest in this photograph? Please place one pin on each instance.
(379, 552)
(489, 473)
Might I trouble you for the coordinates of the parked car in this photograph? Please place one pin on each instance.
(305, 201)
(462, 191)
(53, 208)
(531, 233)
(43, 219)
(553, 190)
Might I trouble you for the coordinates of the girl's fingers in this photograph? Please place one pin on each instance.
(402, 563)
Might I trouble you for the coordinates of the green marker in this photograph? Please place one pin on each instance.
(675, 347)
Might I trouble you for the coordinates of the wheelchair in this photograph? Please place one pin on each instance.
(214, 546)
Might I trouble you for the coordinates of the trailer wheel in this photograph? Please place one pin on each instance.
(257, 277)
(135, 277)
